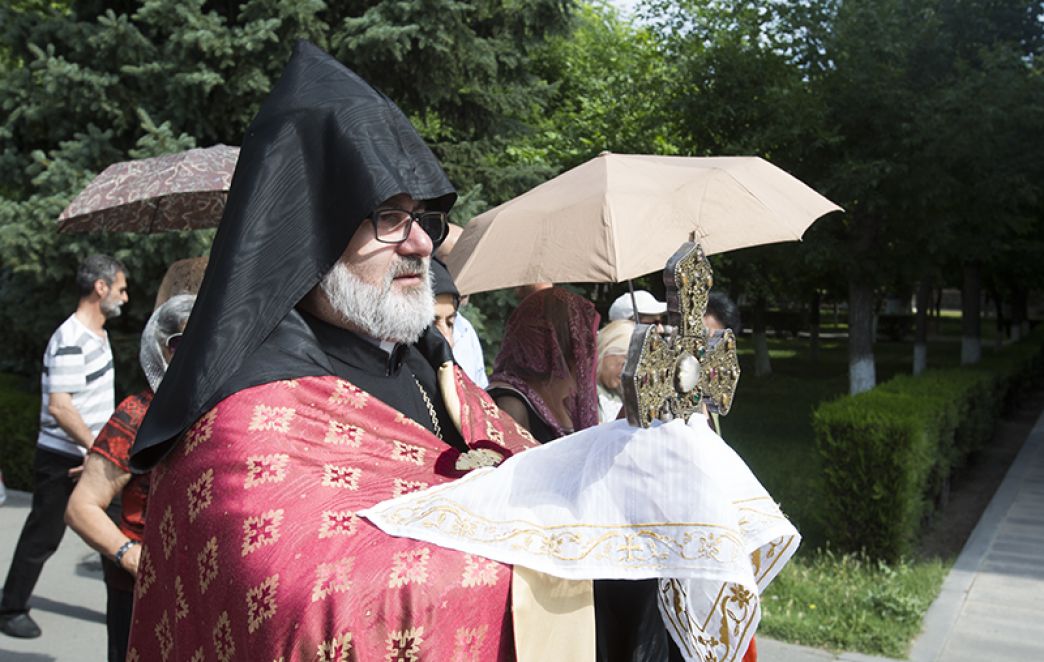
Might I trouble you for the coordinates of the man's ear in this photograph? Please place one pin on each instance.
(101, 288)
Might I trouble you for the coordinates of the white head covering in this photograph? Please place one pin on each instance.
(622, 308)
(166, 320)
(614, 339)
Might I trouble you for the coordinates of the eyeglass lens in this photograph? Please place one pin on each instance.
(393, 225)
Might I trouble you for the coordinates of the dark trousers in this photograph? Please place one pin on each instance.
(43, 529)
(118, 607)
(119, 602)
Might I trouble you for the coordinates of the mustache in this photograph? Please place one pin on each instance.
(407, 266)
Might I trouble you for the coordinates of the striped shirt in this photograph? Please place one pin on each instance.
(77, 362)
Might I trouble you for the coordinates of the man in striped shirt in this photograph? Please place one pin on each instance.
(78, 398)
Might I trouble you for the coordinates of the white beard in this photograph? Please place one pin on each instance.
(379, 310)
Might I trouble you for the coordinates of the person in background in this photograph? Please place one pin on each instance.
(613, 342)
(722, 313)
(107, 474)
(447, 300)
(523, 291)
(544, 375)
(467, 348)
(78, 387)
(650, 309)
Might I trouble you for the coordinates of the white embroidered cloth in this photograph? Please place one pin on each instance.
(616, 502)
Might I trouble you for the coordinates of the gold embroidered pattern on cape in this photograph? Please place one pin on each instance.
(261, 602)
(337, 649)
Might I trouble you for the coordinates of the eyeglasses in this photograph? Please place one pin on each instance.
(392, 226)
(173, 342)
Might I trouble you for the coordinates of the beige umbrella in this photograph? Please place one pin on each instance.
(620, 216)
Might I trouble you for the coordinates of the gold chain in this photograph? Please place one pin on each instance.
(431, 409)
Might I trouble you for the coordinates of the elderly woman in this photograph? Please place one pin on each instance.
(544, 375)
(613, 342)
(106, 474)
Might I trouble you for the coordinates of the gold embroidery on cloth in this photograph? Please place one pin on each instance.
(338, 523)
(335, 475)
(727, 624)
(261, 602)
(493, 433)
(261, 530)
(344, 434)
(468, 644)
(274, 419)
(224, 644)
(200, 494)
(477, 458)
(334, 577)
(404, 645)
(146, 574)
(168, 534)
(645, 545)
(479, 571)
(207, 561)
(164, 636)
(337, 649)
(181, 608)
(345, 393)
(403, 452)
(265, 469)
(410, 567)
(201, 431)
(776, 552)
(403, 486)
(403, 419)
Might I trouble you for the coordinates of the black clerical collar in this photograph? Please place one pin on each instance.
(360, 351)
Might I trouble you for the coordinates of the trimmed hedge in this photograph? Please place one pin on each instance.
(19, 423)
(889, 453)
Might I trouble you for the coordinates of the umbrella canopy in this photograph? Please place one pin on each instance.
(620, 216)
(182, 191)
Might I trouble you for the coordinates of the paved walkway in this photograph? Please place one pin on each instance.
(69, 601)
(991, 606)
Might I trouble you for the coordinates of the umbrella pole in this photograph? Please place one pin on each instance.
(634, 302)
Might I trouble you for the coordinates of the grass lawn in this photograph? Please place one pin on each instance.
(844, 602)
(821, 598)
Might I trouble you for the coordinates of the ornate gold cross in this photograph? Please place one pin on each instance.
(669, 374)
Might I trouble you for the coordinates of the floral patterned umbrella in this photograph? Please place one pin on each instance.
(182, 191)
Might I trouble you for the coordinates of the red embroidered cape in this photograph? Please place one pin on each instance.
(253, 550)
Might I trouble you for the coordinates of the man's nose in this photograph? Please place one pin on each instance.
(418, 242)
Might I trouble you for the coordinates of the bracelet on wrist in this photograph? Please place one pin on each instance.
(124, 548)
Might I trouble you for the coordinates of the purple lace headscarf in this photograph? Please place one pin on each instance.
(550, 332)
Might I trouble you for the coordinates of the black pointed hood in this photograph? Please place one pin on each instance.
(324, 151)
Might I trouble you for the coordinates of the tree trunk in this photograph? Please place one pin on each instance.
(998, 308)
(971, 313)
(813, 320)
(861, 372)
(938, 309)
(1019, 313)
(762, 363)
(920, 352)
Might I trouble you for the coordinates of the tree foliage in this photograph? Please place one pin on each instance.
(85, 83)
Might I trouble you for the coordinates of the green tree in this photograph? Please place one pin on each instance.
(86, 83)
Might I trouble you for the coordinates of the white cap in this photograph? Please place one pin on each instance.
(647, 305)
